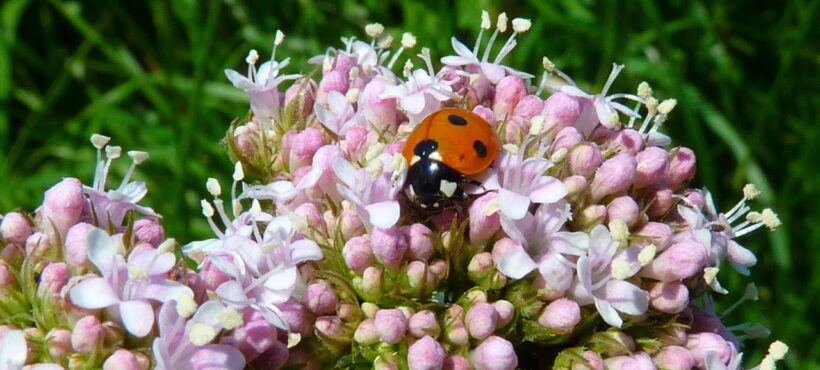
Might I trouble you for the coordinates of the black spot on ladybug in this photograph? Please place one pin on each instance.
(457, 120)
(425, 148)
(480, 148)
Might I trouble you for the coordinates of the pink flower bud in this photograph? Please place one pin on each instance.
(54, 277)
(584, 159)
(495, 353)
(626, 141)
(58, 342)
(312, 215)
(419, 243)
(358, 254)
(674, 358)
(122, 359)
(390, 325)
(424, 323)
(329, 326)
(254, 337)
(372, 280)
(380, 112)
(305, 145)
(505, 311)
(593, 362)
(567, 138)
(624, 209)
(614, 176)
(483, 224)
(561, 316)
(575, 185)
(501, 247)
(637, 361)
(480, 265)
(514, 129)
(210, 275)
(561, 110)
(416, 273)
(485, 113)
(351, 225)
(87, 335)
(456, 362)
(76, 245)
(63, 204)
(592, 215)
(320, 298)
(355, 142)
(388, 246)
(653, 164)
(507, 94)
(334, 80)
(696, 197)
(15, 228)
(656, 233)
(671, 297)
(304, 90)
(37, 244)
(296, 315)
(660, 200)
(436, 272)
(682, 167)
(425, 354)
(6, 278)
(454, 330)
(149, 231)
(366, 332)
(288, 140)
(682, 260)
(700, 344)
(529, 106)
(246, 138)
(481, 320)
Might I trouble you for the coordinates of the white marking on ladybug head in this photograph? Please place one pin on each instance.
(423, 206)
(436, 156)
(447, 187)
(435, 205)
(414, 159)
(412, 193)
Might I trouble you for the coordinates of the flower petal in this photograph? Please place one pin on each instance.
(557, 275)
(216, 356)
(137, 317)
(461, 49)
(625, 297)
(740, 257)
(164, 290)
(208, 313)
(413, 103)
(13, 350)
(548, 190)
(238, 80)
(101, 250)
(93, 293)
(516, 263)
(304, 250)
(384, 214)
(231, 291)
(513, 205)
(608, 313)
(584, 273)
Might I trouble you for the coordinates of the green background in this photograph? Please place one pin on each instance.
(149, 74)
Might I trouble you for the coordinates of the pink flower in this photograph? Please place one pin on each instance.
(560, 113)
(127, 286)
(320, 298)
(540, 244)
(423, 323)
(422, 93)
(419, 243)
(614, 176)
(389, 246)
(680, 261)
(87, 335)
(186, 344)
(700, 345)
(381, 112)
(509, 91)
(122, 359)
(601, 279)
(375, 199)
(484, 220)
(637, 361)
(670, 297)
(262, 85)
(357, 253)
(521, 182)
(63, 204)
(674, 358)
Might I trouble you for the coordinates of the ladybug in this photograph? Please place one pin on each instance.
(447, 147)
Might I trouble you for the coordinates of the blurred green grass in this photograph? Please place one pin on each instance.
(149, 74)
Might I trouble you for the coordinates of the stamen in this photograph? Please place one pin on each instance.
(485, 24)
(616, 69)
(278, 39)
(425, 56)
(213, 187)
(374, 30)
(751, 294)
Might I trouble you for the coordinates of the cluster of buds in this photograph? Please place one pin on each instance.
(582, 248)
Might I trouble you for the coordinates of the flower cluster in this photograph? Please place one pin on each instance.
(581, 247)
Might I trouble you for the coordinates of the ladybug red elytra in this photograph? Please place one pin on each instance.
(447, 147)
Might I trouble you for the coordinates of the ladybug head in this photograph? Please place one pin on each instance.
(431, 185)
